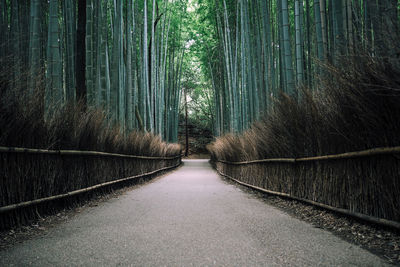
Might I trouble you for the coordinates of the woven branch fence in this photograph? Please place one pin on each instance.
(32, 176)
(357, 183)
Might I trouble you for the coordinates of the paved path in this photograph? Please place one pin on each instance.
(187, 218)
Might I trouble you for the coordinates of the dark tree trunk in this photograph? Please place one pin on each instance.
(186, 127)
(149, 60)
(80, 53)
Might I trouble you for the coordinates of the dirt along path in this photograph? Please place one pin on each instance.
(189, 217)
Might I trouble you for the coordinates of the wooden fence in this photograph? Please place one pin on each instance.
(34, 176)
(364, 184)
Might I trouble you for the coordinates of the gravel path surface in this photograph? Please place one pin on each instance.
(188, 218)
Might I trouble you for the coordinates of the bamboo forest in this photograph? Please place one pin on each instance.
(133, 59)
(292, 98)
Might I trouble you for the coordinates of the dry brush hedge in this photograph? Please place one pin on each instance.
(368, 185)
(59, 161)
(356, 108)
(31, 176)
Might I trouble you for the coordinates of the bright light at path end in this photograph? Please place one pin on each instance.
(189, 43)
(191, 7)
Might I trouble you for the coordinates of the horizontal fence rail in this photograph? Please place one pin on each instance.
(348, 155)
(362, 184)
(79, 153)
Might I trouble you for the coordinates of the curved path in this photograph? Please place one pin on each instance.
(188, 218)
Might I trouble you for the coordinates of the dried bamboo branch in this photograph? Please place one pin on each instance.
(78, 153)
(356, 154)
(278, 160)
(348, 155)
(72, 193)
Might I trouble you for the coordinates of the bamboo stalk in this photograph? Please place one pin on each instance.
(364, 217)
(78, 153)
(76, 192)
(347, 155)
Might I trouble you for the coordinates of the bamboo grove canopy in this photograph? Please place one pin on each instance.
(127, 56)
(122, 56)
(255, 49)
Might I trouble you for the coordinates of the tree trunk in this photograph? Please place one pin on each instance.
(129, 82)
(89, 53)
(318, 30)
(186, 126)
(117, 89)
(70, 49)
(81, 54)
(299, 52)
(287, 50)
(14, 45)
(54, 91)
(322, 8)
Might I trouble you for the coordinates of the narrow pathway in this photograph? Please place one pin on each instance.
(187, 218)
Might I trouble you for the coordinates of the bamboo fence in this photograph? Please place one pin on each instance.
(363, 184)
(34, 181)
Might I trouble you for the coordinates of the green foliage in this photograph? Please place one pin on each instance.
(121, 56)
(254, 50)
(232, 57)
(194, 79)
